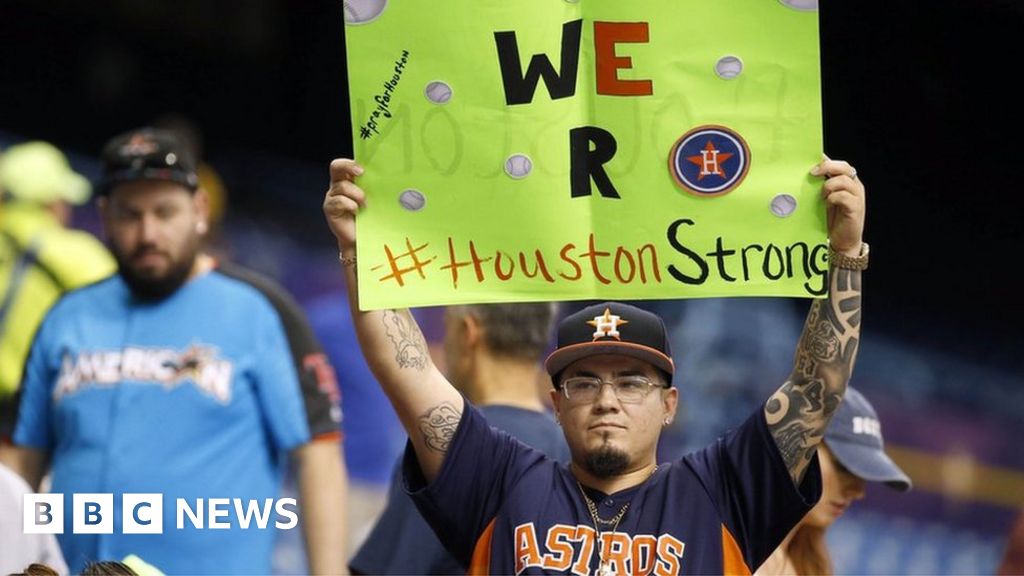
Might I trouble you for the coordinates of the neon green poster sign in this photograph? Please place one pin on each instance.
(554, 150)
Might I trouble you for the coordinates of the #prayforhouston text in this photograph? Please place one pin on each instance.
(383, 99)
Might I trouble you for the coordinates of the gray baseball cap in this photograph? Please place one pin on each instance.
(855, 438)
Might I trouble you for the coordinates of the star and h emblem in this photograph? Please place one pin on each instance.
(607, 325)
(709, 160)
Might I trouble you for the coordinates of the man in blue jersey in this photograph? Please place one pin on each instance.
(492, 353)
(184, 378)
(503, 508)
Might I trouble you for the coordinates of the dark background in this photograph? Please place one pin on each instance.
(917, 95)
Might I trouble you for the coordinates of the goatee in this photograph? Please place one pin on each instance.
(606, 462)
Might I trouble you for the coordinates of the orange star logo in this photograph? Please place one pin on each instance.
(138, 145)
(710, 161)
(607, 325)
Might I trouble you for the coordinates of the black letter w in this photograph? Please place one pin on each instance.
(519, 89)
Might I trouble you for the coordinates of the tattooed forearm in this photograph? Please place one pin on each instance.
(798, 413)
(406, 338)
(797, 416)
(438, 426)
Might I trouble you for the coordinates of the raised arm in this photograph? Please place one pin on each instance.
(429, 407)
(799, 411)
(323, 499)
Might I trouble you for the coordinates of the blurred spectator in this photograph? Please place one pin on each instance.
(374, 437)
(728, 349)
(852, 455)
(1013, 557)
(492, 353)
(182, 377)
(191, 137)
(39, 551)
(40, 259)
(37, 570)
(108, 568)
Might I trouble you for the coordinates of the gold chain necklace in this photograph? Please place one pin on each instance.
(592, 508)
(604, 567)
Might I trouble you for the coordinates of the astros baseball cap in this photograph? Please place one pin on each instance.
(855, 438)
(38, 172)
(147, 154)
(611, 328)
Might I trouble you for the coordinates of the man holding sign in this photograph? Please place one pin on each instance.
(503, 508)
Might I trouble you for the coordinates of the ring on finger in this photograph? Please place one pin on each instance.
(853, 173)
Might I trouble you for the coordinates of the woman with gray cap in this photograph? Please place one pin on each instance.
(852, 455)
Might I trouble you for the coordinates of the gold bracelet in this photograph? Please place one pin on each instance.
(346, 260)
(849, 262)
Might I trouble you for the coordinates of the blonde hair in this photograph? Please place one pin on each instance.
(808, 553)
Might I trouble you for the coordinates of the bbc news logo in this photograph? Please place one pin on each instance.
(144, 513)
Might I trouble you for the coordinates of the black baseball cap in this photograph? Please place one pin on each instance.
(611, 328)
(855, 438)
(147, 154)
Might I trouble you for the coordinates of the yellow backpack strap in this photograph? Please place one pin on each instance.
(140, 566)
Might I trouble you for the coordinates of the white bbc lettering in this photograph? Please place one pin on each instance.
(92, 513)
(142, 514)
(248, 514)
(218, 508)
(194, 516)
(293, 517)
(253, 510)
(42, 514)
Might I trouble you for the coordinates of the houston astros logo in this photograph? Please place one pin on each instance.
(709, 160)
(607, 325)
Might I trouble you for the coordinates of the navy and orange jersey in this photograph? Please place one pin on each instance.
(402, 543)
(503, 508)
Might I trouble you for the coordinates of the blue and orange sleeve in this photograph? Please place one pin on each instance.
(480, 469)
(748, 481)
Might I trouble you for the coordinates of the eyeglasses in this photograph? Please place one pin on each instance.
(628, 389)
